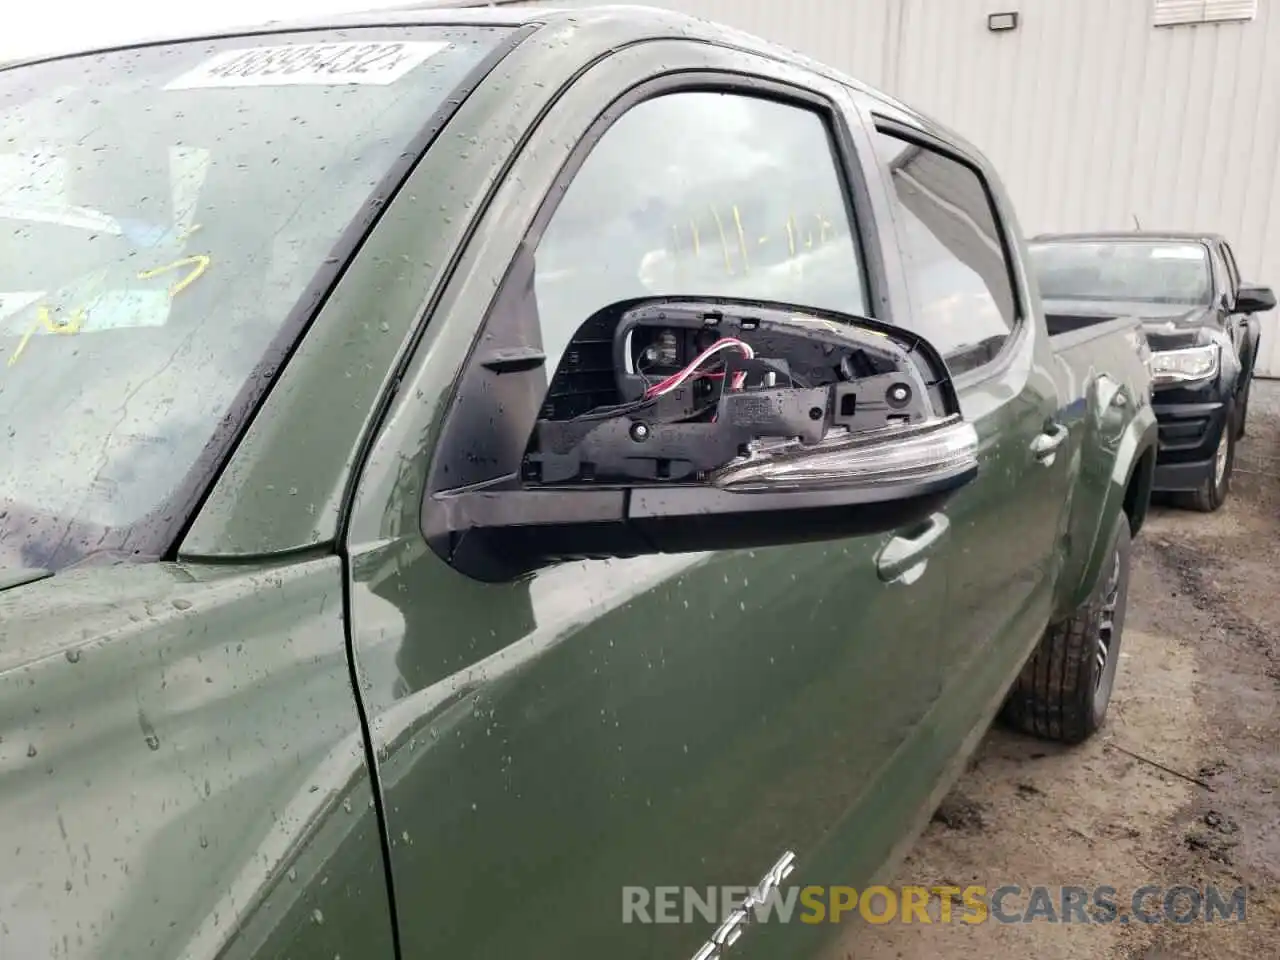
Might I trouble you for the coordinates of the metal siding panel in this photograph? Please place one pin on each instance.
(1092, 115)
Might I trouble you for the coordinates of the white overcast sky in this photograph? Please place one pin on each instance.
(51, 25)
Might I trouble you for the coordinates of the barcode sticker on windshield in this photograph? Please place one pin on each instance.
(315, 64)
(1188, 252)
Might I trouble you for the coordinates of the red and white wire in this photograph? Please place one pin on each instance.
(676, 379)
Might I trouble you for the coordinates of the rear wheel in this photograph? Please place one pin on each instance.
(1065, 688)
(1213, 490)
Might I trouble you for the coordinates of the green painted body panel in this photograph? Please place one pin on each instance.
(182, 766)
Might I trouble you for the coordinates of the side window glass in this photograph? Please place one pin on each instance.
(1218, 267)
(700, 193)
(1233, 272)
(958, 273)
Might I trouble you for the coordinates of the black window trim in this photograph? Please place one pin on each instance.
(999, 364)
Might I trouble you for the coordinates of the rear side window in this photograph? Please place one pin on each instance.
(718, 194)
(957, 271)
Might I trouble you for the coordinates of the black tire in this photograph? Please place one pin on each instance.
(1213, 490)
(1065, 688)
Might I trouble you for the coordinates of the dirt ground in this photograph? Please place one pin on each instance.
(1182, 785)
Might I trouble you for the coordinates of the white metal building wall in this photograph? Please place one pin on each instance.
(1092, 115)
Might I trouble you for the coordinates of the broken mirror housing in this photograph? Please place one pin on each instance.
(681, 424)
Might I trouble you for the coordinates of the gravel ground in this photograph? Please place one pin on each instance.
(1182, 786)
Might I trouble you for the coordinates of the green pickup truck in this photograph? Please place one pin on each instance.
(467, 470)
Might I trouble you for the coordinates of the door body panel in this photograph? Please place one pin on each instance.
(672, 720)
(1243, 329)
(181, 768)
(663, 720)
(1008, 522)
(1250, 323)
(1226, 285)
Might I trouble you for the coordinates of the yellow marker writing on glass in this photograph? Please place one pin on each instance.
(199, 264)
(724, 241)
(44, 315)
(44, 318)
(804, 231)
(742, 239)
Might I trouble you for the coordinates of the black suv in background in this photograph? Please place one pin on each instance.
(1201, 321)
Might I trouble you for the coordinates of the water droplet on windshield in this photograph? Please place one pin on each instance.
(31, 750)
(317, 916)
(182, 604)
(73, 656)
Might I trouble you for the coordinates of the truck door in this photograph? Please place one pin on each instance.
(1243, 328)
(554, 750)
(970, 302)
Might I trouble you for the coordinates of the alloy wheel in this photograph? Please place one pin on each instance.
(1107, 625)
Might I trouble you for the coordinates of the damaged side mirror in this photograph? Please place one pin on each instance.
(688, 424)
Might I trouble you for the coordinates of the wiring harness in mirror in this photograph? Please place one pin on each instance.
(739, 396)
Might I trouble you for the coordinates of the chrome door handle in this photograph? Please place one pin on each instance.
(904, 557)
(1045, 446)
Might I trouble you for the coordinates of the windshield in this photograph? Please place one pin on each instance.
(1146, 271)
(162, 209)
